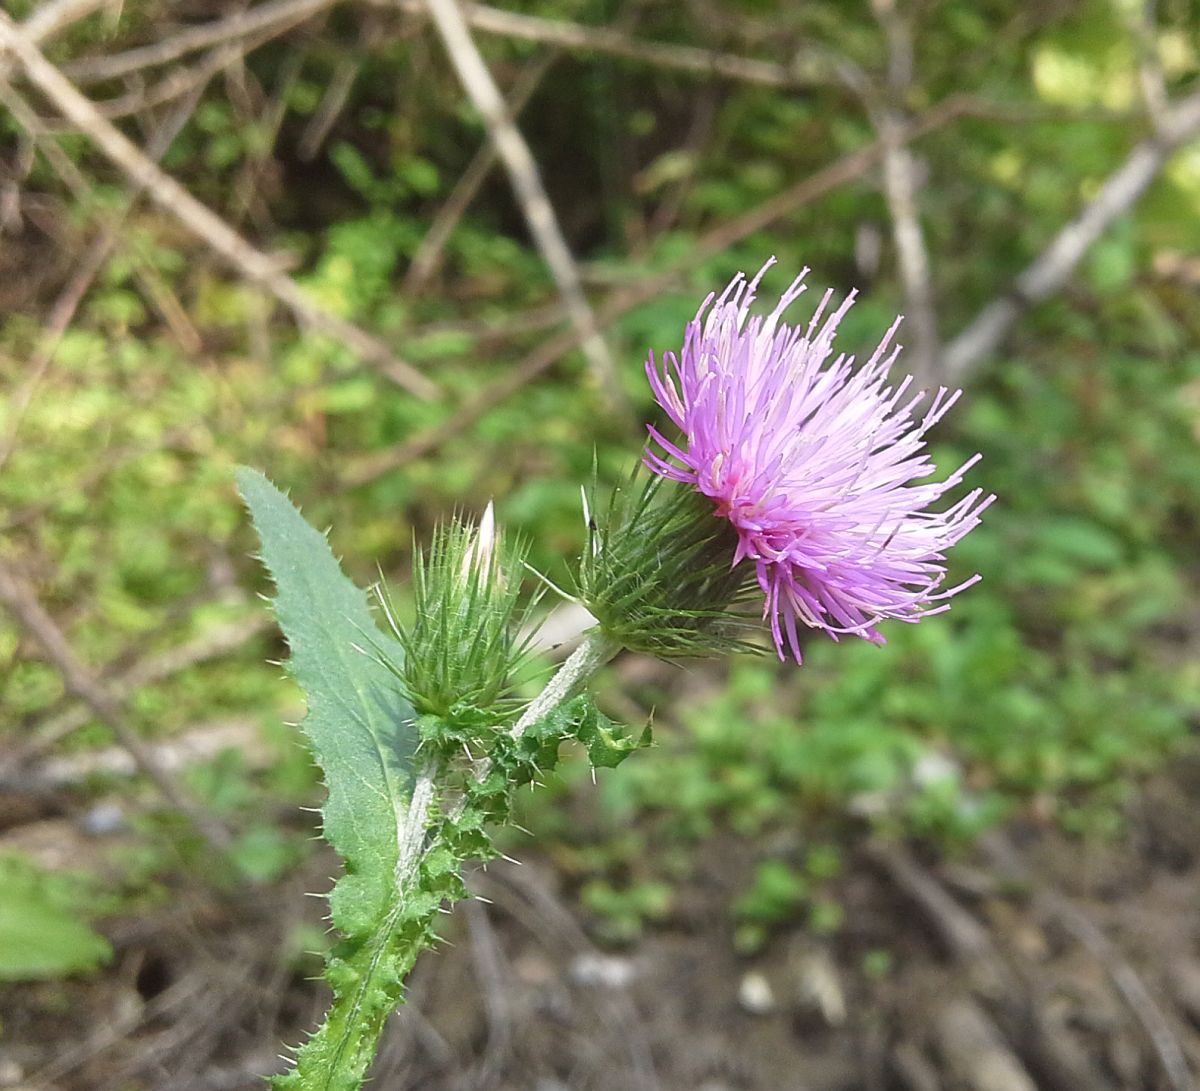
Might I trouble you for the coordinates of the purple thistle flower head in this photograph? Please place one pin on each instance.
(819, 466)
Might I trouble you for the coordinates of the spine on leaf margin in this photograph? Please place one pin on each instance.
(367, 974)
(367, 977)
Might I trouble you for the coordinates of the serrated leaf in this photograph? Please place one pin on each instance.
(607, 742)
(42, 931)
(362, 731)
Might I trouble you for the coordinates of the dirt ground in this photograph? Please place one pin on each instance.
(1037, 961)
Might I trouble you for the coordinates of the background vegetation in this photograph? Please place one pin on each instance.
(388, 379)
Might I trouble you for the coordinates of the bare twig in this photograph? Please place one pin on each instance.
(274, 16)
(55, 15)
(854, 165)
(173, 198)
(87, 269)
(47, 21)
(1009, 997)
(975, 1051)
(608, 42)
(1151, 78)
(337, 91)
(900, 189)
(249, 183)
(495, 983)
(527, 186)
(567, 35)
(195, 744)
(1050, 270)
(22, 603)
(1129, 984)
(967, 939)
(529, 900)
(428, 254)
(155, 668)
(181, 80)
(700, 131)
(1124, 977)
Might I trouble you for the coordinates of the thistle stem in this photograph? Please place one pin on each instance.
(346, 1041)
(595, 650)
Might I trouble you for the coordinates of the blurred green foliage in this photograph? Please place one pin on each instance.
(1049, 689)
(42, 934)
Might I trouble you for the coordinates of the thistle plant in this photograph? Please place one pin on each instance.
(792, 478)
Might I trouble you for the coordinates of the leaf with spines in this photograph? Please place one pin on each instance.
(364, 736)
(362, 731)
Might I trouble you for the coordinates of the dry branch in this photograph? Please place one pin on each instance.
(428, 254)
(1010, 997)
(371, 466)
(196, 744)
(1133, 990)
(56, 15)
(87, 269)
(214, 644)
(900, 188)
(22, 603)
(181, 80)
(275, 17)
(612, 43)
(206, 225)
(1050, 270)
(527, 186)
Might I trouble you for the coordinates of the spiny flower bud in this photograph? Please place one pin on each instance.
(460, 652)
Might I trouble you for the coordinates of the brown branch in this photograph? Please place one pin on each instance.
(575, 37)
(1050, 270)
(155, 668)
(197, 743)
(530, 193)
(56, 15)
(1125, 978)
(900, 188)
(181, 80)
(174, 199)
(337, 90)
(428, 254)
(1151, 78)
(274, 16)
(47, 21)
(372, 466)
(87, 269)
(494, 978)
(612, 43)
(1011, 997)
(22, 603)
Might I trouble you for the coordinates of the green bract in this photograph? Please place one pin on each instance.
(461, 654)
(657, 571)
(388, 719)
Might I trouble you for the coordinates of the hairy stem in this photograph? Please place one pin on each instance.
(367, 973)
(595, 650)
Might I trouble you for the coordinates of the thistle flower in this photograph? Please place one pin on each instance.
(817, 465)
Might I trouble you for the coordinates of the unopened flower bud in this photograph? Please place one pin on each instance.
(460, 651)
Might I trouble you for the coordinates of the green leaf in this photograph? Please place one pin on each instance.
(607, 742)
(364, 736)
(361, 730)
(42, 933)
